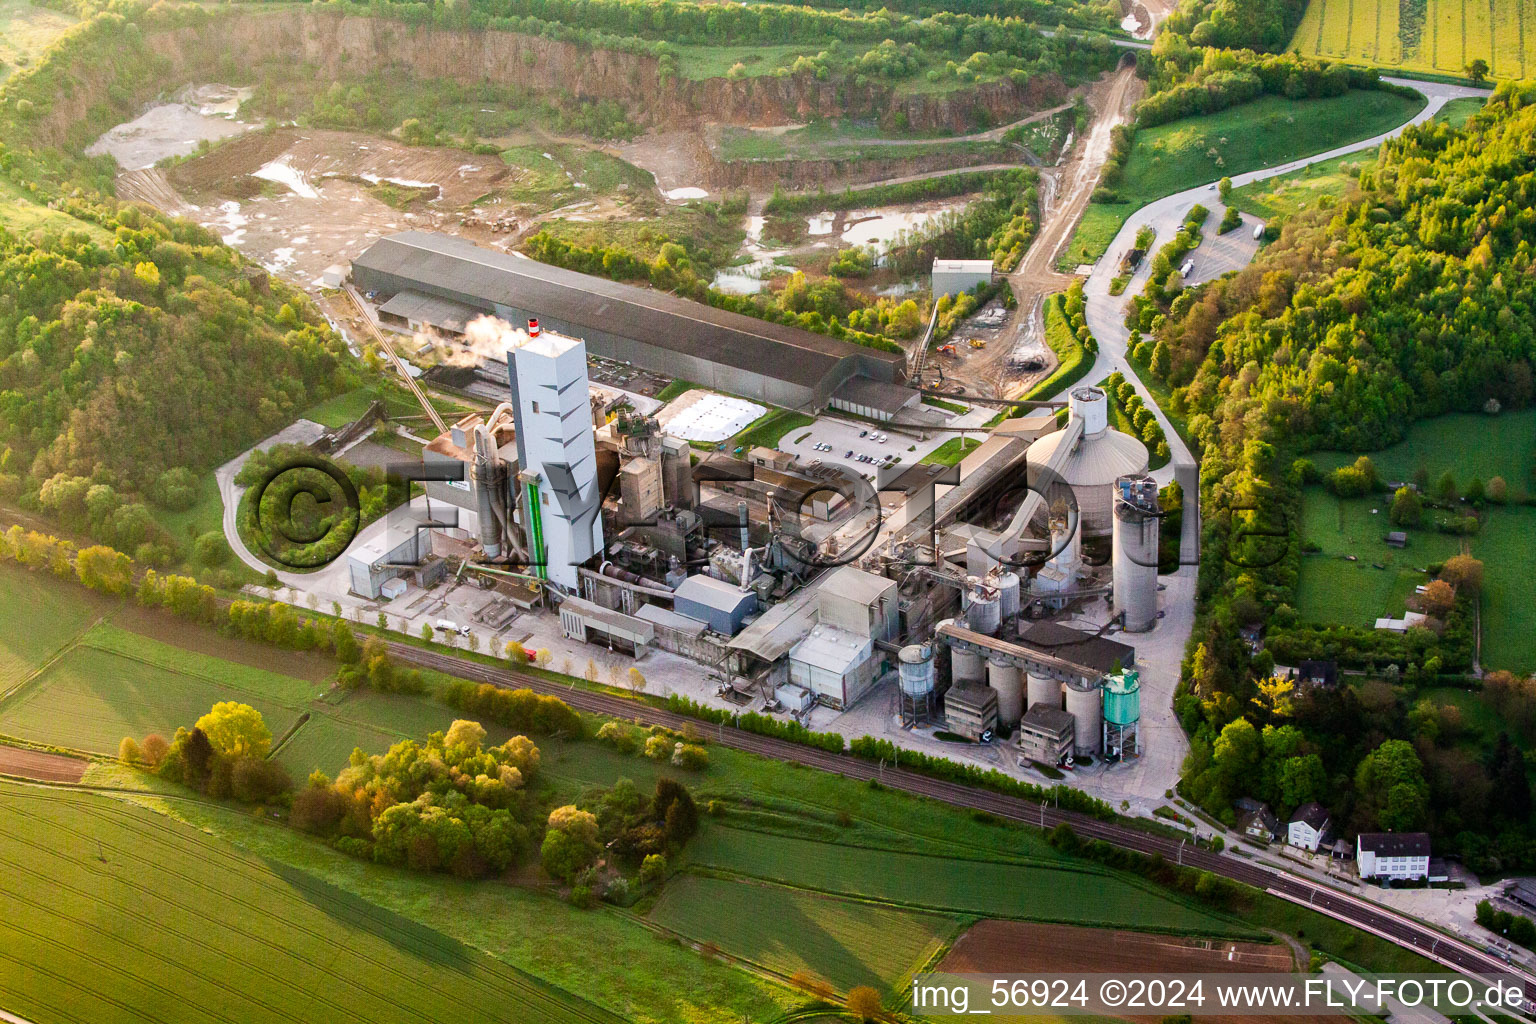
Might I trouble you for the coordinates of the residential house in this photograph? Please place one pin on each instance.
(1307, 826)
(1392, 856)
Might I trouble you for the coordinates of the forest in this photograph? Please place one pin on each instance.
(1410, 298)
(120, 328)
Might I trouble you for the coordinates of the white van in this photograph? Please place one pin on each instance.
(1187, 269)
(1258, 233)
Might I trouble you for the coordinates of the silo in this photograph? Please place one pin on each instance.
(984, 614)
(1005, 678)
(1134, 559)
(1086, 707)
(983, 609)
(1008, 595)
(965, 666)
(1042, 690)
(1122, 713)
(915, 664)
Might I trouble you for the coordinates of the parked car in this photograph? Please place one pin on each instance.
(863, 433)
(881, 438)
(848, 454)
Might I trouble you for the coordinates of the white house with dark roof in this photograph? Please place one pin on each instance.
(1392, 856)
(1307, 826)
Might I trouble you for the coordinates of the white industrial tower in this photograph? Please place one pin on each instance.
(556, 452)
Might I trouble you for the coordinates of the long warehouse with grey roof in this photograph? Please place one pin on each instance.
(430, 277)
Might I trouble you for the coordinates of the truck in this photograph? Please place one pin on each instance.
(1187, 269)
(449, 626)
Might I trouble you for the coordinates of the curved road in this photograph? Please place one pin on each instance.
(1105, 313)
(1449, 951)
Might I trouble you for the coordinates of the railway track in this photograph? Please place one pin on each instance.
(1447, 950)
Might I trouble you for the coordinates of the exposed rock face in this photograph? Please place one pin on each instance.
(348, 45)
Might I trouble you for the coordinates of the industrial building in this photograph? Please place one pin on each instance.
(954, 277)
(440, 281)
(719, 605)
(1046, 735)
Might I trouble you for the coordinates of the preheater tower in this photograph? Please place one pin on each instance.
(556, 452)
(1134, 558)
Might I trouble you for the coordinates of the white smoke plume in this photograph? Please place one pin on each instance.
(486, 338)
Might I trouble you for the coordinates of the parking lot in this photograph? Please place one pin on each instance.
(843, 436)
(1217, 254)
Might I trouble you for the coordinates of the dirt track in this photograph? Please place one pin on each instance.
(1064, 195)
(36, 764)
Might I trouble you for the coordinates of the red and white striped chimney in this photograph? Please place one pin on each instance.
(533, 328)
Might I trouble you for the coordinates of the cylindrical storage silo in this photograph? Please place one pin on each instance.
(966, 666)
(1122, 699)
(1042, 690)
(1086, 707)
(916, 668)
(1134, 560)
(1008, 595)
(984, 613)
(1006, 679)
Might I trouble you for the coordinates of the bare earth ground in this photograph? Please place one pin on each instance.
(327, 214)
(1018, 947)
(37, 764)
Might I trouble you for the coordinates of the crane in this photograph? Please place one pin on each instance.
(410, 382)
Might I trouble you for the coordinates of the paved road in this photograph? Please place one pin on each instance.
(1407, 932)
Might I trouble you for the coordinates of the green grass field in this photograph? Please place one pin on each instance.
(951, 452)
(1432, 36)
(1457, 112)
(847, 943)
(25, 31)
(1283, 195)
(1331, 589)
(1469, 445)
(1193, 151)
(113, 913)
(42, 615)
(1039, 892)
(90, 698)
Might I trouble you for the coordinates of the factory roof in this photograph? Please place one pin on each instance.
(778, 629)
(970, 696)
(585, 301)
(611, 619)
(835, 650)
(854, 584)
(1394, 844)
(665, 618)
(1047, 719)
(713, 593)
(1097, 460)
(1080, 648)
(430, 309)
(888, 398)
